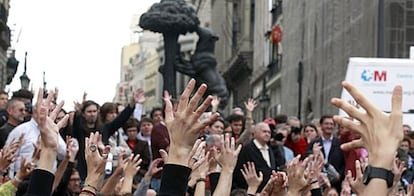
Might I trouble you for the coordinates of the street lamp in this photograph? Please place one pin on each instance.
(264, 99)
(24, 79)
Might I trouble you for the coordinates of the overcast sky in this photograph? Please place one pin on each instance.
(77, 43)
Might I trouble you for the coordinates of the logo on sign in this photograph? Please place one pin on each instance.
(374, 76)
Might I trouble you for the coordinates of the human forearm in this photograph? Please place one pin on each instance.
(59, 172)
(200, 189)
(110, 184)
(47, 159)
(224, 184)
(376, 187)
(178, 156)
(127, 184)
(143, 186)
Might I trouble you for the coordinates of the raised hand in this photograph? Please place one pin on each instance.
(276, 186)
(49, 130)
(227, 155)
(94, 160)
(183, 125)
(25, 169)
(197, 154)
(72, 147)
(153, 168)
(250, 105)
(253, 180)
(356, 184)
(380, 132)
(215, 103)
(9, 154)
(132, 165)
(296, 175)
(138, 96)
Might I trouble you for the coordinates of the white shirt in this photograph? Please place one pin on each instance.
(264, 150)
(31, 133)
(327, 144)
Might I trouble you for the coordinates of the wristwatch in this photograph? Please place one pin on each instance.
(377, 172)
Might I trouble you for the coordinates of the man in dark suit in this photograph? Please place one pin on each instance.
(256, 151)
(330, 147)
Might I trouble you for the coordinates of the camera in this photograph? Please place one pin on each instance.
(295, 130)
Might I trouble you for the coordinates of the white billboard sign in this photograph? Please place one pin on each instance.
(376, 78)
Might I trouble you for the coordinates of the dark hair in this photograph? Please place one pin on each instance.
(25, 94)
(324, 117)
(239, 192)
(281, 118)
(235, 117)
(406, 139)
(310, 125)
(218, 119)
(146, 119)
(157, 109)
(87, 104)
(4, 93)
(107, 108)
(131, 122)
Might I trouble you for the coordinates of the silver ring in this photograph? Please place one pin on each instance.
(195, 159)
(92, 147)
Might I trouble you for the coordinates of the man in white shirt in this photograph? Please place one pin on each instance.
(256, 151)
(31, 135)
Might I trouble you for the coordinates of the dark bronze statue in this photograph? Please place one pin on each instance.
(175, 17)
(202, 65)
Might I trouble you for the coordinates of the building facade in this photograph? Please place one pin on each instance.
(233, 21)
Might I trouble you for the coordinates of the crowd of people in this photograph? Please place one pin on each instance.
(187, 147)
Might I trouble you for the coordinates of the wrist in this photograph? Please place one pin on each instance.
(178, 156)
(251, 190)
(382, 160)
(91, 182)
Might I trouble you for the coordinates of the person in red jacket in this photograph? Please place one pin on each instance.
(295, 140)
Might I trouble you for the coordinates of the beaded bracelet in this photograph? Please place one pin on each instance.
(94, 188)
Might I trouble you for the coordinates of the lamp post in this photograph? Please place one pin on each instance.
(300, 79)
(264, 100)
(24, 79)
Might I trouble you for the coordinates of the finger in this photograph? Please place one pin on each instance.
(86, 144)
(359, 97)
(396, 105)
(260, 176)
(195, 147)
(55, 111)
(350, 109)
(169, 113)
(206, 122)
(39, 98)
(354, 126)
(164, 155)
(244, 173)
(203, 107)
(348, 177)
(185, 96)
(358, 171)
(63, 122)
(237, 152)
(49, 98)
(358, 143)
(197, 97)
(232, 143)
(227, 141)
